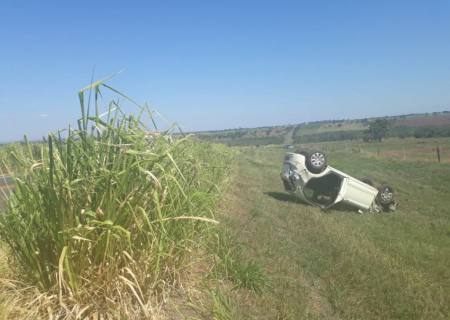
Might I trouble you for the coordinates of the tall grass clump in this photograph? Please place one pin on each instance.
(231, 264)
(110, 207)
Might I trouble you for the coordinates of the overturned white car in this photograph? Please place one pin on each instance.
(308, 176)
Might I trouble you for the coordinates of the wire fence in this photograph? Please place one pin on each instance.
(428, 154)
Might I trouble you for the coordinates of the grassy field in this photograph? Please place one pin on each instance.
(340, 264)
(407, 149)
(410, 149)
(313, 128)
(248, 137)
(277, 258)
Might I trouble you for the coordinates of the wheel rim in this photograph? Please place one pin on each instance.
(386, 195)
(317, 159)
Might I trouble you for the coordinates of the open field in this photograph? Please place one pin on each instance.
(334, 264)
(407, 149)
(312, 128)
(340, 264)
(248, 136)
(426, 125)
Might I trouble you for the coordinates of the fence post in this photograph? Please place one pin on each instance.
(438, 153)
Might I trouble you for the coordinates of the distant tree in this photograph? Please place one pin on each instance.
(378, 130)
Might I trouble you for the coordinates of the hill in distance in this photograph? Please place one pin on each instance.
(421, 125)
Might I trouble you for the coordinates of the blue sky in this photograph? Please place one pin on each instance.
(215, 65)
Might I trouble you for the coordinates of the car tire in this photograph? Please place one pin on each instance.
(385, 195)
(316, 162)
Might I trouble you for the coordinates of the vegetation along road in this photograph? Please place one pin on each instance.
(340, 264)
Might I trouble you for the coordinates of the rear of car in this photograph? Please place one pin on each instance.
(357, 193)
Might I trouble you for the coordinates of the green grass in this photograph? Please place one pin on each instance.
(340, 264)
(315, 128)
(106, 216)
(254, 141)
(410, 149)
(230, 264)
(406, 149)
(247, 137)
(109, 220)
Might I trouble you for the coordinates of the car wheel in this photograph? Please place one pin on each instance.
(385, 195)
(316, 162)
